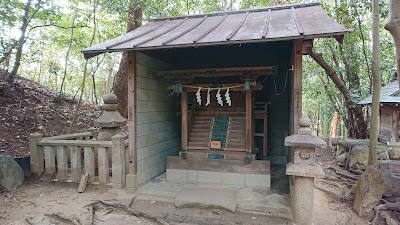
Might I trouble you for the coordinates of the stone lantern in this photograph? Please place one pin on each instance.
(303, 170)
(110, 121)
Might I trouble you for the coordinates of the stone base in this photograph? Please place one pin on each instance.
(218, 178)
(131, 184)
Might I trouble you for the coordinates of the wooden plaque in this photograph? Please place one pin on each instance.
(216, 144)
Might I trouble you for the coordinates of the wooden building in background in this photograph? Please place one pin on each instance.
(256, 53)
(388, 111)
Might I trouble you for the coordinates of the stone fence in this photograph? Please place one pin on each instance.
(67, 157)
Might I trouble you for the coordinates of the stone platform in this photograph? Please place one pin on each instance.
(242, 198)
(218, 172)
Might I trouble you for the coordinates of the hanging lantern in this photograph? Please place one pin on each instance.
(247, 84)
(178, 87)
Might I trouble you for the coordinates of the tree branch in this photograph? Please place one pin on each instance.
(53, 25)
(9, 51)
(331, 72)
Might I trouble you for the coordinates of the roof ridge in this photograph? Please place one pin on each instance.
(279, 7)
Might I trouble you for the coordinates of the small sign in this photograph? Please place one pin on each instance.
(216, 144)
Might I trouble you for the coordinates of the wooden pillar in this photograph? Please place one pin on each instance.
(184, 111)
(395, 122)
(249, 109)
(132, 112)
(297, 83)
(265, 137)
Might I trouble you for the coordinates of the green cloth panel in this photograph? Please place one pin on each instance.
(215, 156)
(219, 131)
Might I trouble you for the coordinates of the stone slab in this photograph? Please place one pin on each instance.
(232, 179)
(177, 176)
(206, 198)
(256, 180)
(209, 177)
(263, 200)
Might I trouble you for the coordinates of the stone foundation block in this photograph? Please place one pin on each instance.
(232, 179)
(177, 176)
(131, 184)
(257, 180)
(209, 177)
(192, 176)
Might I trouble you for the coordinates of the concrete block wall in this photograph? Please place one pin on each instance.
(183, 176)
(158, 125)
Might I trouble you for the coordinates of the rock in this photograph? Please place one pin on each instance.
(385, 135)
(11, 174)
(359, 157)
(369, 191)
(394, 153)
(342, 159)
(383, 156)
(391, 176)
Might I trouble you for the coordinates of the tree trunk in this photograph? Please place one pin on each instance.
(393, 26)
(69, 49)
(355, 122)
(21, 41)
(376, 77)
(334, 125)
(120, 87)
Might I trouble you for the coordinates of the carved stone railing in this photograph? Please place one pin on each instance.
(68, 157)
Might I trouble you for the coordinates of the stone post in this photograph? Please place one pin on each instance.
(118, 161)
(36, 159)
(110, 121)
(303, 170)
(94, 132)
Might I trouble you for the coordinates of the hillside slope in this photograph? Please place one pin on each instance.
(17, 115)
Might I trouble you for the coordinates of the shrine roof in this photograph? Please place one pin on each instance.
(388, 94)
(297, 21)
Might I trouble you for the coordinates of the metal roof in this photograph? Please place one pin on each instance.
(388, 94)
(277, 23)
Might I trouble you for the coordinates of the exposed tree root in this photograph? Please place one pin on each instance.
(63, 218)
(127, 209)
(29, 220)
(394, 205)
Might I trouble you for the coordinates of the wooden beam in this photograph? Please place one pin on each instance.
(307, 46)
(184, 112)
(249, 121)
(230, 71)
(297, 83)
(395, 128)
(265, 138)
(132, 155)
(254, 87)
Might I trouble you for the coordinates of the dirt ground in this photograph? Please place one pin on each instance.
(45, 202)
(18, 115)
